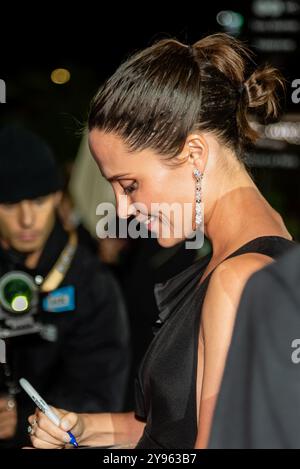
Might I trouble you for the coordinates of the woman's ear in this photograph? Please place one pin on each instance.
(197, 148)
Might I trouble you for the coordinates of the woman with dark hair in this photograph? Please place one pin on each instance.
(171, 125)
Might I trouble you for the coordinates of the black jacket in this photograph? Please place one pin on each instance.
(86, 368)
(259, 400)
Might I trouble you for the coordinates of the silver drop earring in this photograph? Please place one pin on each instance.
(199, 213)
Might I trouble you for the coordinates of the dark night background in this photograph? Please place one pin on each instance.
(90, 41)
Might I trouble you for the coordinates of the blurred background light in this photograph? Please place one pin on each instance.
(230, 21)
(60, 76)
(272, 8)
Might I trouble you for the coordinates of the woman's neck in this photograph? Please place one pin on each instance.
(240, 213)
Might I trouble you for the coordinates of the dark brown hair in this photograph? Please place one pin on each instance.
(161, 94)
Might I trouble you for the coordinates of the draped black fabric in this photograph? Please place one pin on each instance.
(259, 400)
(166, 382)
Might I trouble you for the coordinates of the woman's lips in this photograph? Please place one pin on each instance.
(149, 220)
(152, 222)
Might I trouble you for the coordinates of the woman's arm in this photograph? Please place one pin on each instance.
(103, 429)
(120, 429)
(218, 316)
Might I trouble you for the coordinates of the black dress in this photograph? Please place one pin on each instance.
(166, 382)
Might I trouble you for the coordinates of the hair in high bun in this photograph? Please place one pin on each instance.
(161, 94)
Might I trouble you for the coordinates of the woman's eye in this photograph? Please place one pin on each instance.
(129, 189)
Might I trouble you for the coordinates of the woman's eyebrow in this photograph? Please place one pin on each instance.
(118, 176)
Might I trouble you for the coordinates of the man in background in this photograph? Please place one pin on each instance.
(77, 351)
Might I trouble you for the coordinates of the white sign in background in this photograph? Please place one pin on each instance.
(2, 91)
(2, 351)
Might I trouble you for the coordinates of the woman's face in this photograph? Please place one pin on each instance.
(145, 186)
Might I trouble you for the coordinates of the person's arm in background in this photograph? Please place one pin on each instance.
(8, 417)
(95, 358)
(14, 408)
(8, 413)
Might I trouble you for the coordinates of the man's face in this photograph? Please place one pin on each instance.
(26, 225)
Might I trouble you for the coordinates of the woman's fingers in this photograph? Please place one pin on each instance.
(40, 421)
(42, 444)
(30, 419)
(44, 436)
(69, 422)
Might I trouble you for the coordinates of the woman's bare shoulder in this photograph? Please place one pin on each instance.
(227, 283)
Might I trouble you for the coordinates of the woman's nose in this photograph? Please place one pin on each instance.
(124, 207)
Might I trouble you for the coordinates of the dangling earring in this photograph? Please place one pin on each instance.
(199, 213)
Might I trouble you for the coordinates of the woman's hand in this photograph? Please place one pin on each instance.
(46, 435)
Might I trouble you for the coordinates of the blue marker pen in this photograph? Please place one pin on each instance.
(43, 406)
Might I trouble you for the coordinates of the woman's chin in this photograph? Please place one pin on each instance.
(164, 233)
(168, 242)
